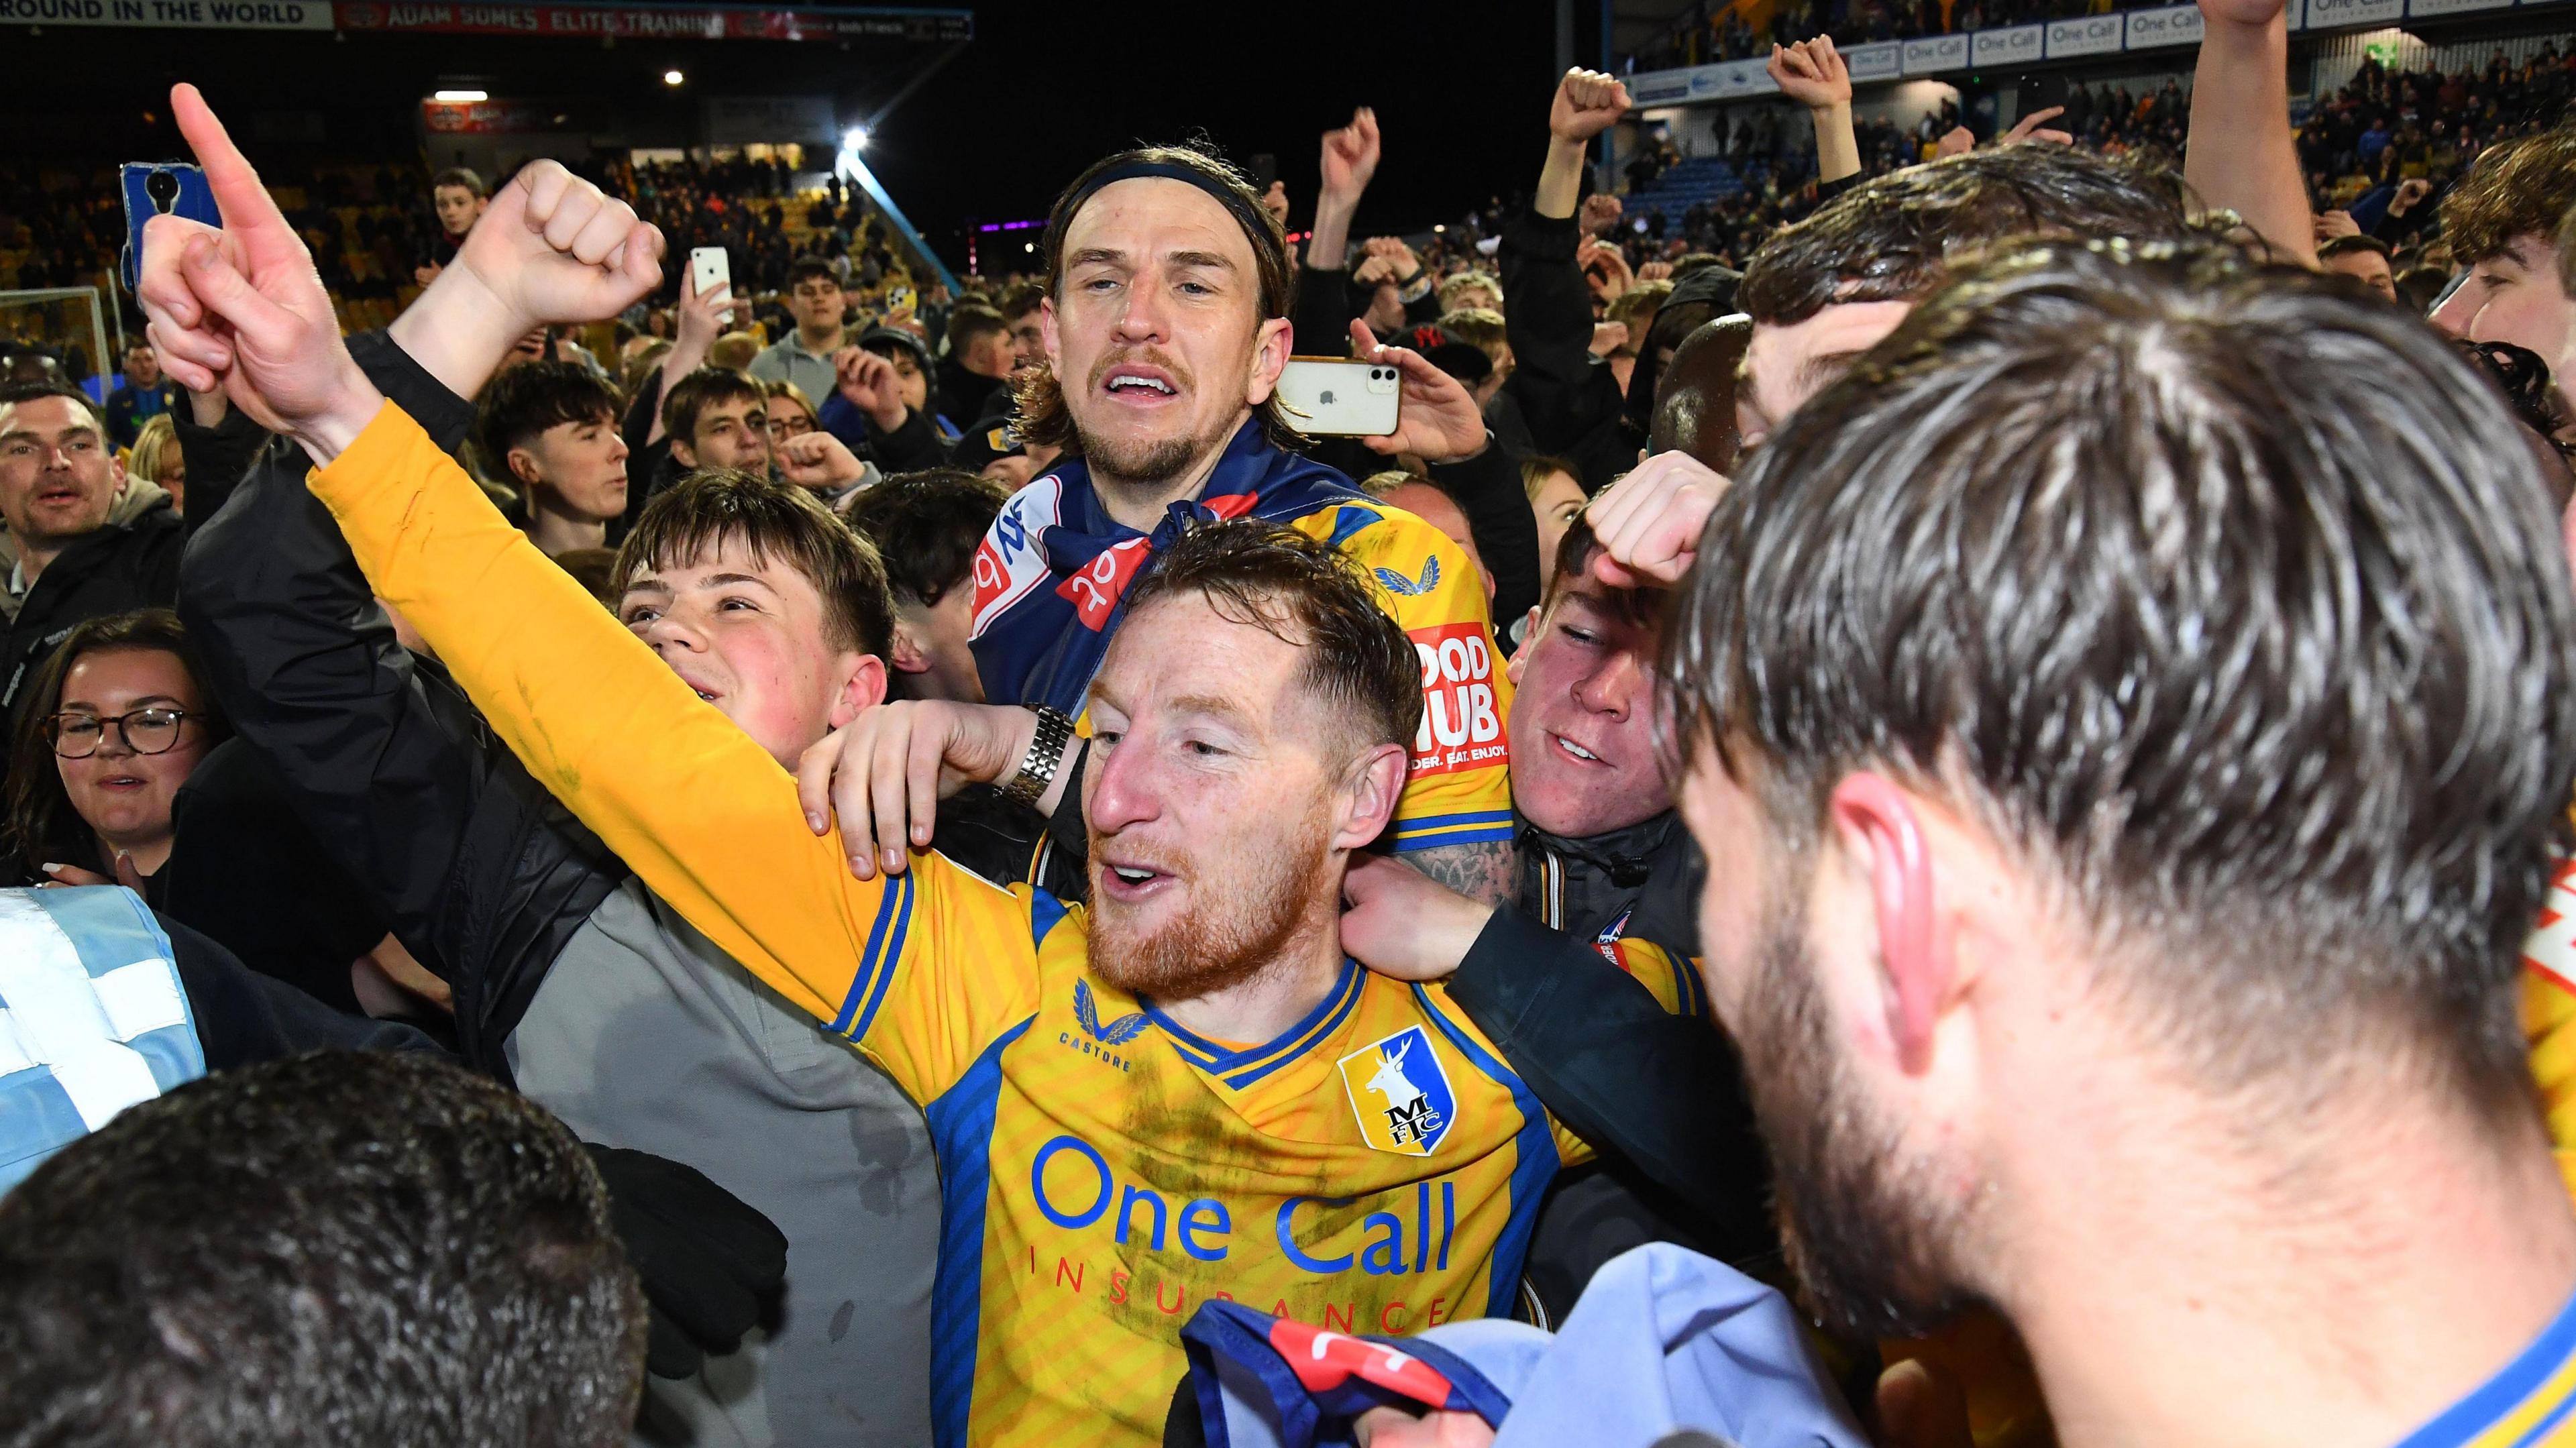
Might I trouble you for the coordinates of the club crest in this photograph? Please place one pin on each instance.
(1400, 1093)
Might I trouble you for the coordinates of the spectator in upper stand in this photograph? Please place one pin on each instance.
(2501, 221)
(146, 395)
(459, 197)
(926, 527)
(1019, 308)
(83, 539)
(156, 457)
(551, 429)
(804, 356)
(255, 1258)
(2364, 259)
(980, 358)
(116, 721)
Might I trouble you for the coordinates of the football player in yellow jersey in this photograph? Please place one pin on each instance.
(1185, 1091)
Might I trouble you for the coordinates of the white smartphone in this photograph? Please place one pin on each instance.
(708, 269)
(1337, 397)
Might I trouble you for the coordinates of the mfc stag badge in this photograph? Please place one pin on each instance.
(1400, 1094)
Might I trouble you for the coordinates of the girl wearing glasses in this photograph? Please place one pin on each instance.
(115, 723)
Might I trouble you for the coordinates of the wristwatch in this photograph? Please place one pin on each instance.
(1045, 756)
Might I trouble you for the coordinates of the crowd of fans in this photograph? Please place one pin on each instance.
(1925, 814)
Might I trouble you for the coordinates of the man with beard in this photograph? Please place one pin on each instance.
(2137, 947)
(2134, 948)
(1106, 1138)
(1166, 327)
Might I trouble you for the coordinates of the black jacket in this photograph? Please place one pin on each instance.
(1661, 1096)
(121, 567)
(1568, 399)
(479, 873)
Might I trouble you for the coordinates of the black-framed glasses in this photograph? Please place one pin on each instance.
(145, 731)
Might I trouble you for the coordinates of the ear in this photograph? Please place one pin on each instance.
(1047, 335)
(1876, 826)
(907, 656)
(118, 476)
(523, 465)
(1368, 795)
(1519, 661)
(1271, 349)
(863, 687)
(683, 454)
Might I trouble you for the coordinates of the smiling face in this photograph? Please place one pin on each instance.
(58, 477)
(748, 634)
(1155, 333)
(123, 795)
(1582, 723)
(1210, 796)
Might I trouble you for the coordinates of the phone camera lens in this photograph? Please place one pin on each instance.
(163, 188)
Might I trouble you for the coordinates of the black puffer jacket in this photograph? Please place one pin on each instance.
(123, 566)
(481, 875)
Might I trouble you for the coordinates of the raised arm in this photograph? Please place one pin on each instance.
(1813, 74)
(594, 716)
(1547, 307)
(2241, 154)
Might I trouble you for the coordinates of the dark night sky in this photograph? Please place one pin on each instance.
(1460, 87)
(1460, 90)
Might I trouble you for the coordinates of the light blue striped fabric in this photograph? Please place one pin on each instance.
(93, 1018)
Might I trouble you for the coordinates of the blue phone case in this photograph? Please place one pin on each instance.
(195, 200)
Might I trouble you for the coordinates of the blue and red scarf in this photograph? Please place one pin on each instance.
(1054, 568)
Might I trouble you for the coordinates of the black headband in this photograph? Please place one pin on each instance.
(1247, 214)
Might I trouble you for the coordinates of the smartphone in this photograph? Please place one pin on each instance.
(162, 188)
(708, 269)
(1337, 397)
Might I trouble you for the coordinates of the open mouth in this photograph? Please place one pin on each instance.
(1574, 751)
(1140, 384)
(1130, 884)
(122, 782)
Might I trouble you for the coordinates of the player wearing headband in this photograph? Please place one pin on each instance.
(1165, 327)
(1184, 1091)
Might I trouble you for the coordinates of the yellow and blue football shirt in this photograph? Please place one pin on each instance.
(1375, 1168)
(2529, 1404)
(1039, 630)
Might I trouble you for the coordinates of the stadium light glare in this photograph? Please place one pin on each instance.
(672, 77)
(855, 138)
(465, 96)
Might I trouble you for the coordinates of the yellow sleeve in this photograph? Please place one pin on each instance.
(1459, 787)
(2549, 1011)
(921, 969)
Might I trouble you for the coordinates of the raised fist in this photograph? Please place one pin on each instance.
(1587, 103)
(1812, 73)
(1601, 212)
